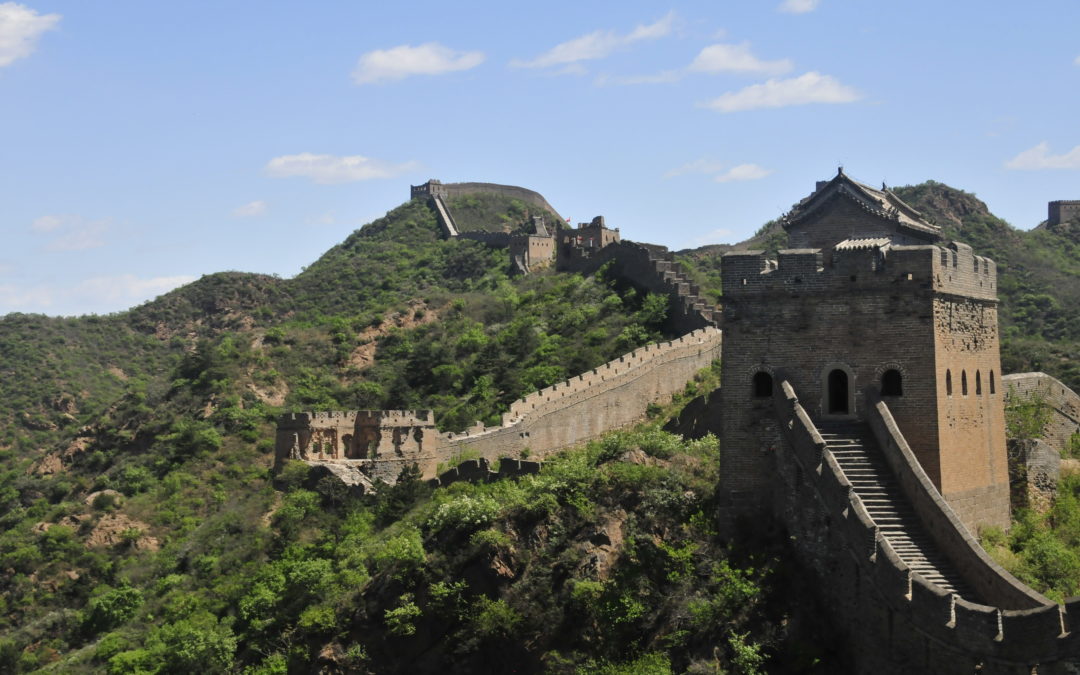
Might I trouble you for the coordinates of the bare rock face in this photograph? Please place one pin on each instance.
(117, 497)
(117, 528)
(1034, 470)
(602, 550)
(55, 462)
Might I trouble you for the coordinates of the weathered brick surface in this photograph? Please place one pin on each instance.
(927, 312)
(1064, 404)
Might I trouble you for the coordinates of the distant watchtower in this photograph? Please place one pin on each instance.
(1063, 211)
(432, 188)
(871, 299)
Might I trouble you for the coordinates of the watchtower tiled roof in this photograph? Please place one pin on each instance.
(882, 203)
(865, 243)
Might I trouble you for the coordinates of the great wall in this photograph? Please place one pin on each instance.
(879, 469)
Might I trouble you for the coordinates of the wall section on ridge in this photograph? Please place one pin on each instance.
(1064, 404)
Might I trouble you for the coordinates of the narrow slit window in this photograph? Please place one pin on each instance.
(963, 383)
(993, 389)
(948, 382)
(978, 383)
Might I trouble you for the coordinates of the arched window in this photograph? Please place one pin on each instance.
(978, 383)
(948, 382)
(762, 384)
(892, 383)
(963, 383)
(993, 389)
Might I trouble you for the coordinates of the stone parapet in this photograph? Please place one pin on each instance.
(897, 621)
(951, 269)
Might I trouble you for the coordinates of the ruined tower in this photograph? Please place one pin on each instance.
(868, 302)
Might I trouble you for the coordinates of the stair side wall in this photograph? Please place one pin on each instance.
(893, 621)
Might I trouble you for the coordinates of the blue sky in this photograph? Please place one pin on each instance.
(145, 144)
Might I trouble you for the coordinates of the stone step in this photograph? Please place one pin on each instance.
(859, 457)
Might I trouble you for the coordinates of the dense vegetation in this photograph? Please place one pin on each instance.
(141, 529)
(135, 495)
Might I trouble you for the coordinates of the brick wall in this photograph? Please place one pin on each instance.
(558, 417)
(1064, 404)
(893, 621)
(921, 311)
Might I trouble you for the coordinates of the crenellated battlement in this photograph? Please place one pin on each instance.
(554, 418)
(953, 268)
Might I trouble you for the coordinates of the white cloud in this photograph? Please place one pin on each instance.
(1077, 61)
(330, 169)
(799, 6)
(697, 166)
(598, 44)
(812, 87)
(1039, 157)
(250, 210)
(736, 59)
(430, 58)
(72, 232)
(20, 28)
(95, 295)
(46, 223)
(743, 172)
(663, 77)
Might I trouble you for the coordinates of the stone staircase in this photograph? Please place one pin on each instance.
(857, 451)
(689, 294)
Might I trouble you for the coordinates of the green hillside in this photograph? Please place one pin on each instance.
(137, 507)
(142, 531)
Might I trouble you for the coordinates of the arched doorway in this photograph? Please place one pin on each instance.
(838, 393)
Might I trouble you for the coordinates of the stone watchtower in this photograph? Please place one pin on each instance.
(1063, 211)
(871, 303)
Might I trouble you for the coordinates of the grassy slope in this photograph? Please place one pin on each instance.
(496, 213)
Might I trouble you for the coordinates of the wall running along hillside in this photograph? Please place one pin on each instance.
(612, 396)
(653, 269)
(1063, 402)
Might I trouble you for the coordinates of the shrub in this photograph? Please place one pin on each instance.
(399, 620)
(403, 554)
(463, 514)
(112, 608)
(494, 617)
